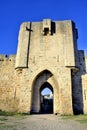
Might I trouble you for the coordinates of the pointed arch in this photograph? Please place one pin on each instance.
(41, 79)
(46, 73)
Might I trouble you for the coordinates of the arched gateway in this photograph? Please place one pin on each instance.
(42, 81)
(43, 55)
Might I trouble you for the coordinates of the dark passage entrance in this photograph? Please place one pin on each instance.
(46, 98)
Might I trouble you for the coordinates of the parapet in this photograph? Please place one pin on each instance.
(4, 57)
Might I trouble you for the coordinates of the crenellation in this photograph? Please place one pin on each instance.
(3, 57)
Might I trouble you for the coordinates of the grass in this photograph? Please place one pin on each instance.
(4, 113)
(81, 118)
(4, 127)
(3, 119)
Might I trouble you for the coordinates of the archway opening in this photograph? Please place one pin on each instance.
(46, 98)
(40, 83)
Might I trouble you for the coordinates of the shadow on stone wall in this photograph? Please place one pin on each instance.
(77, 89)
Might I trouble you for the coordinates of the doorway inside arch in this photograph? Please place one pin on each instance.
(46, 99)
(38, 100)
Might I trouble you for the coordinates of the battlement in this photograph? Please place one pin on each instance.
(4, 57)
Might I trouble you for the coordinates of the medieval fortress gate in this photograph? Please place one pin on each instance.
(47, 56)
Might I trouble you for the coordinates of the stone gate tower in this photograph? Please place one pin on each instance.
(47, 56)
(47, 53)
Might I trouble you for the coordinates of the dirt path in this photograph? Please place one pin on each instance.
(39, 122)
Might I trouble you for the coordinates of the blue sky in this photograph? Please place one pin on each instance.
(46, 91)
(14, 12)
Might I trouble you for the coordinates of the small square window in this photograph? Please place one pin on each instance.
(46, 31)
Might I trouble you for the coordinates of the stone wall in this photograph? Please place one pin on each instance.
(84, 87)
(7, 83)
(77, 90)
(33, 37)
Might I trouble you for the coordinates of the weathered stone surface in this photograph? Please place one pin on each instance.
(47, 53)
